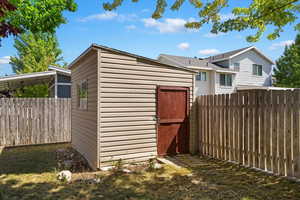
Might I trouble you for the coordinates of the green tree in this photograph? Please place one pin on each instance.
(257, 15)
(287, 71)
(35, 53)
(19, 16)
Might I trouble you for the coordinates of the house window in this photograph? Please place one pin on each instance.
(201, 76)
(82, 94)
(236, 66)
(226, 79)
(257, 70)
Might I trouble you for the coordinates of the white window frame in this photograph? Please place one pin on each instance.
(236, 66)
(82, 102)
(201, 76)
(255, 70)
(226, 80)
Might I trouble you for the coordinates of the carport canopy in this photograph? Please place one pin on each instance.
(18, 81)
(55, 77)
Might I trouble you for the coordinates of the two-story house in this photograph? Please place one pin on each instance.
(225, 73)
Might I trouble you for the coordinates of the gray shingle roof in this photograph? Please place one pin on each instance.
(183, 61)
(226, 54)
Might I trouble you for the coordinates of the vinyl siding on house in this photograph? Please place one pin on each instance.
(204, 87)
(245, 75)
(220, 89)
(127, 105)
(84, 122)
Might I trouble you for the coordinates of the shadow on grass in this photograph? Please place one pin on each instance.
(29, 159)
(29, 174)
(119, 187)
(245, 183)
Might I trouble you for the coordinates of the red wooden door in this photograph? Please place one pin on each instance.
(172, 120)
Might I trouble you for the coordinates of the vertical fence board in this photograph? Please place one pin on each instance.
(257, 128)
(28, 121)
(220, 102)
(275, 125)
(268, 130)
(289, 124)
(296, 134)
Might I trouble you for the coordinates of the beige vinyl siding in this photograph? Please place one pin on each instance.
(84, 122)
(127, 93)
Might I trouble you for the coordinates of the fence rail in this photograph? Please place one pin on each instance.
(259, 129)
(28, 121)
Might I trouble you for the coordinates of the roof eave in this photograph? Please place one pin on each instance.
(71, 65)
(60, 70)
(200, 68)
(225, 71)
(29, 75)
(96, 47)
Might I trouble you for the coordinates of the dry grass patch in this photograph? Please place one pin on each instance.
(30, 173)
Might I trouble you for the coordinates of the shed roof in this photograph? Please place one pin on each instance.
(96, 46)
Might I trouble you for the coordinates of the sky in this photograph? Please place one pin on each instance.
(131, 28)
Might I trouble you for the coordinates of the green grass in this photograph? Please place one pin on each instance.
(30, 173)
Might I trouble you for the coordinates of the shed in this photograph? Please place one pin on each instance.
(130, 107)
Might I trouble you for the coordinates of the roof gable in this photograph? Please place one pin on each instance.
(232, 54)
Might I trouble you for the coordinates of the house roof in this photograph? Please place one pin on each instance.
(226, 55)
(20, 80)
(231, 54)
(194, 63)
(96, 46)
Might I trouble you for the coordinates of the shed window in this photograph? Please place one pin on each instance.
(82, 94)
(201, 76)
(226, 79)
(257, 70)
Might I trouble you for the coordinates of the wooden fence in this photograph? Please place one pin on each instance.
(28, 121)
(259, 129)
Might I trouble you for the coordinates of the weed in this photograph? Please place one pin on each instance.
(118, 165)
(151, 164)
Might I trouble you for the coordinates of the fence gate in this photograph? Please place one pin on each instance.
(27, 121)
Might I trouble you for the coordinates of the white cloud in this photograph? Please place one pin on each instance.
(127, 17)
(145, 10)
(239, 36)
(208, 51)
(213, 35)
(281, 44)
(227, 16)
(102, 16)
(130, 27)
(169, 25)
(183, 46)
(4, 60)
(109, 15)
